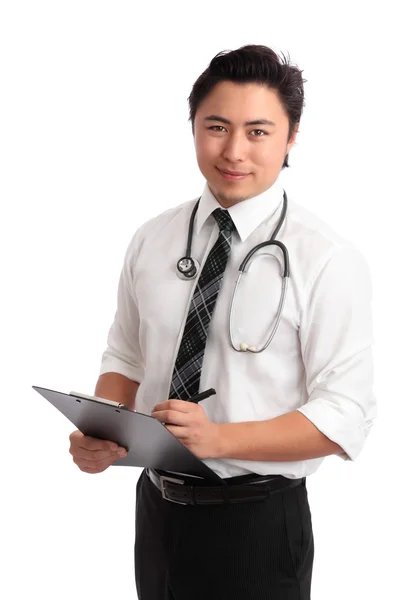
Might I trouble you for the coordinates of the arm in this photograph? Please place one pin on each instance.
(122, 363)
(286, 438)
(336, 338)
(117, 387)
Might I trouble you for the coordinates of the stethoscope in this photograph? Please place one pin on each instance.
(188, 268)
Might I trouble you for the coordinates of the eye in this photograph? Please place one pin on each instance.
(262, 131)
(214, 127)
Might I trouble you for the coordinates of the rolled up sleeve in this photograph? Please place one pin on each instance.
(336, 336)
(123, 354)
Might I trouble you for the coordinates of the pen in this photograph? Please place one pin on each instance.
(202, 396)
(198, 397)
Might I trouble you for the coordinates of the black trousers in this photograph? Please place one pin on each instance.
(258, 550)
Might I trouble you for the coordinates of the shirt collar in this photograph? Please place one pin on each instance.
(246, 215)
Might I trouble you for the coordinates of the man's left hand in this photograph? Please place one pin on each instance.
(189, 423)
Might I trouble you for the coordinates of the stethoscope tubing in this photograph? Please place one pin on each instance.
(192, 271)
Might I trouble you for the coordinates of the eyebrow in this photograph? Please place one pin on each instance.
(256, 122)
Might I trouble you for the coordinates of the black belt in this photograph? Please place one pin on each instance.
(179, 491)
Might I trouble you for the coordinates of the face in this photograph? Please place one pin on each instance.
(223, 141)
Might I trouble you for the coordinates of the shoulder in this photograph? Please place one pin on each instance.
(163, 224)
(308, 228)
(315, 246)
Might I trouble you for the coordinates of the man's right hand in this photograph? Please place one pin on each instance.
(93, 455)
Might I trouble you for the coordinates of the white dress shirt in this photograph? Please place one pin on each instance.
(320, 360)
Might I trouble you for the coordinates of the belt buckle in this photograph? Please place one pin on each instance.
(163, 479)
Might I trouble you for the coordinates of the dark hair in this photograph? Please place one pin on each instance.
(253, 64)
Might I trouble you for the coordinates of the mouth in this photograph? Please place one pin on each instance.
(232, 175)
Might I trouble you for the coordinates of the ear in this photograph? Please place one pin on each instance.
(292, 140)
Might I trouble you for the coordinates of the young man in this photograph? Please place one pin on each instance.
(278, 409)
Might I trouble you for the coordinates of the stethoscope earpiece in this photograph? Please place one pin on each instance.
(244, 347)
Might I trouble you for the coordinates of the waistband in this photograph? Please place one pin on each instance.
(178, 490)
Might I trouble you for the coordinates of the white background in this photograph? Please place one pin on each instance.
(95, 141)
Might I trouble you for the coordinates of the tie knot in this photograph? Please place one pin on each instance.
(223, 219)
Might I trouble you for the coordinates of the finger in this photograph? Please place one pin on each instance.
(182, 405)
(94, 465)
(175, 404)
(171, 416)
(181, 433)
(92, 455)
(90, 470)
(91, 443)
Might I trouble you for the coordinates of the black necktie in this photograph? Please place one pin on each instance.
(187, 370)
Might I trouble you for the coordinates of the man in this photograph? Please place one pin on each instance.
(276, 412)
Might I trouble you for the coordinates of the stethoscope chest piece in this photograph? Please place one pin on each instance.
(187, 267)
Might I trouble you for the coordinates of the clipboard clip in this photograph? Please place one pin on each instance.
(78, 395)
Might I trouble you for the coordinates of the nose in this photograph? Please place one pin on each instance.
(235, 149)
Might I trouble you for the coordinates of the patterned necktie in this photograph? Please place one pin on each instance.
(187, 370)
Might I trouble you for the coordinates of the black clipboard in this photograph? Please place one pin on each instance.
(147, 441)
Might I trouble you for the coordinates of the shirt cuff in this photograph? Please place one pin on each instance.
(114, 365)
(345, 432)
